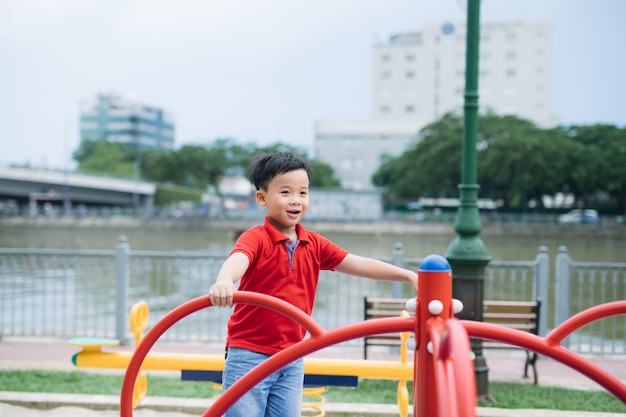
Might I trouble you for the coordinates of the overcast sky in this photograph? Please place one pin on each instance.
(257, 70)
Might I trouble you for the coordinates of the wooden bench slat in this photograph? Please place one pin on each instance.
(509, 316)
(519, 315)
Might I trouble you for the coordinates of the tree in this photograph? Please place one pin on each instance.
(199, 166)
(518, 161)
(601, 163)
(323, 175)
(102, 157)
(431, 167)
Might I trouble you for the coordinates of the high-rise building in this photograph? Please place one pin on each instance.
(417, 77)
(354, 149)
(117, 118)
(422, 75)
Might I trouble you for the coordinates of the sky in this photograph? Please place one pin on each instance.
(257, 71)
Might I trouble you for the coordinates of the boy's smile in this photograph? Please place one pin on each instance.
(286, 200)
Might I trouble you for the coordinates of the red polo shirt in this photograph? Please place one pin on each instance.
(258, 328)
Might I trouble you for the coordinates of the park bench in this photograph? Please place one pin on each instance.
(520, 315)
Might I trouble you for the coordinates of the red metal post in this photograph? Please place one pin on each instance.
(434, 294)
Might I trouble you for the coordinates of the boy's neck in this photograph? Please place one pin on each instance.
(291, 233)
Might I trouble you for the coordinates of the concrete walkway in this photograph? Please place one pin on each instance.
(27, 353)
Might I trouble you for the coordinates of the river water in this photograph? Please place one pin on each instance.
(417, 243)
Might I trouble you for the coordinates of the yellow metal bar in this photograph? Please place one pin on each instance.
(159, 361)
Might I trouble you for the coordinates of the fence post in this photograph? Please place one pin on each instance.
(398, 260)
(542, 284)
(562, 310)
(121, 288)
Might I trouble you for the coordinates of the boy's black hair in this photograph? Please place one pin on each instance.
(267, 166)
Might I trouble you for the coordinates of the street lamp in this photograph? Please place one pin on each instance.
(467, 254)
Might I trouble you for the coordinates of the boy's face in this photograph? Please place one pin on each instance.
(286, 199)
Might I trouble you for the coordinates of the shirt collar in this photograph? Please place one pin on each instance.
(277, 236)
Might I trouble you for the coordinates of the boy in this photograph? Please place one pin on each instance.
(282, 259)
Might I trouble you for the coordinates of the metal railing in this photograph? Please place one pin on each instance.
(68, 293)
(580, 285)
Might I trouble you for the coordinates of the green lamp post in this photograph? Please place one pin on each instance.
(467, 254)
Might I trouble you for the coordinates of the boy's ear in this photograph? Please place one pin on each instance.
(260, 197)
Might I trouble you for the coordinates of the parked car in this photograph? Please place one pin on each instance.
(579, 216)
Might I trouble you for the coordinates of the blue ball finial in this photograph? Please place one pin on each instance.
(434, 263)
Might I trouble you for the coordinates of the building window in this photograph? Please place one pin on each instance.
(385, 109)
(510, 55)
(385, 58)
(410, 57)
(510, 73)
(385, 74)
(511, 37)
(409, 109)
(410, 74)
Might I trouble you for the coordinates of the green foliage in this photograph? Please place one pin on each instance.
(368, 391)
(167, 194)
(517, 161)
(603, 155)
(193, 166)
(430, 167)
(101, 157)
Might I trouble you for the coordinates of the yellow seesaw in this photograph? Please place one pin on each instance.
(92, 355)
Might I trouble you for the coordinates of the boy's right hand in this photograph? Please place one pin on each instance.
(221, 294)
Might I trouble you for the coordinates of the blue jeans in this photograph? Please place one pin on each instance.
(279, 395)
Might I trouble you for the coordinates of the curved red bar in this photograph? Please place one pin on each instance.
(190, 307)
(540, 345)
(583, 318)
(453, 368)
(313, 344)
(319, 339)
(449, 365)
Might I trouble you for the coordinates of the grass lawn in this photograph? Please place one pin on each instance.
(368, 391)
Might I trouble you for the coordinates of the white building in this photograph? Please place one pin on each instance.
(422, 75)
(417, 77)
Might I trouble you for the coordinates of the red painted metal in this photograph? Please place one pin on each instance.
(583, 318)
(319, 339)
(445, 382)
(432, 285)
(453, 369)
(550, 345)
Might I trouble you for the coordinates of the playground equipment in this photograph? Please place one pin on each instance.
(444, 380)
(319, 372)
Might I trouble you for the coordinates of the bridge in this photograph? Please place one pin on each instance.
(32, 187)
